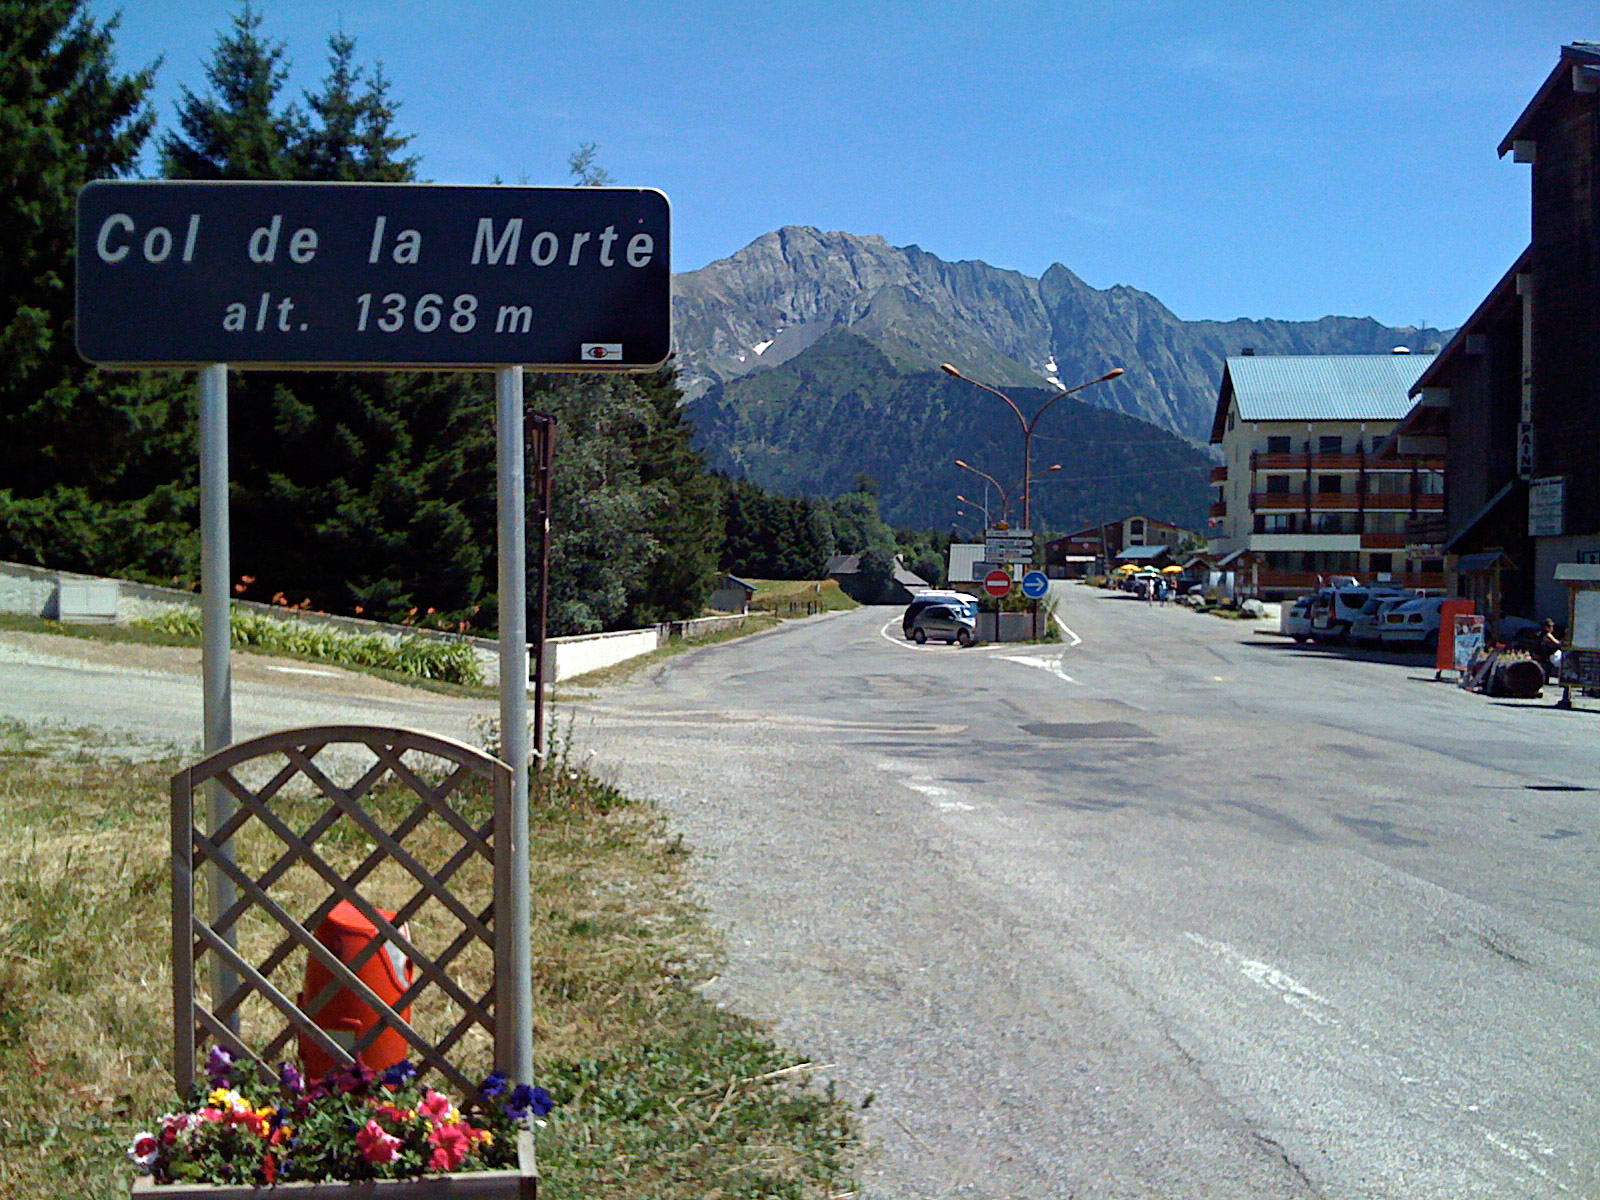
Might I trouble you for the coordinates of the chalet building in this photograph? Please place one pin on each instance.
(1513, 401)
(1074, 555)
(1301, 488)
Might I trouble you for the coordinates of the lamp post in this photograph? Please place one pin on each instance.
(1028, 425)
(975, 504)
(1005, 502)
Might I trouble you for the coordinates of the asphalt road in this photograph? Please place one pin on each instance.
(1175, 909)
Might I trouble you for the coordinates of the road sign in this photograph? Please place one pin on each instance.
(177, 273)
(997, 583)
(1011, 554)
(1035, 585)
(990, 535)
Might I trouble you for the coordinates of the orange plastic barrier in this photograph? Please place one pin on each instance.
(345, 1016)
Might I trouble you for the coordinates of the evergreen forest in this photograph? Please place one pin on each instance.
(351, 492)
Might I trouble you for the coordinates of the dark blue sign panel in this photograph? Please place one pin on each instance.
(1035, 585)
(373, 275)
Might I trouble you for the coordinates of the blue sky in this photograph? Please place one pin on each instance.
(1235, 159)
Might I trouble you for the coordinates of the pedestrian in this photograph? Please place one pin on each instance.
(1547, 649)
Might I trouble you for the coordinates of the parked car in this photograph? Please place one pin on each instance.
(1413, 625)
(1336, 609)
(1366, 629)
(923, 599)
(948, 620)
(1295, 619)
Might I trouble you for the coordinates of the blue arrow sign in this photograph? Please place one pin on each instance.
(1035, 585)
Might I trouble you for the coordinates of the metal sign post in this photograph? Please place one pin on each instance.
(216, 671)
(511, 488)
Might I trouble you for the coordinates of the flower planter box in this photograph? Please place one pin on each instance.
(520, 1184)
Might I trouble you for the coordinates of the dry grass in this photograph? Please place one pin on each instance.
(799, 597)
(660, 1093)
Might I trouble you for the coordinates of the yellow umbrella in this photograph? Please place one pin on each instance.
(1174, 569)
(1127, 568)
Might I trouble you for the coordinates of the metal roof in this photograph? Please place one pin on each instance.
(1324, 387)
(1136, 553)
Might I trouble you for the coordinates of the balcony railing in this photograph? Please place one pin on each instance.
(1383, 541)
(1267, 580)
(1219, 474)
(1263, 461)
(1342, 502)
(1219, 508)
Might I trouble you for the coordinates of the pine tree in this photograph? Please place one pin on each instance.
(239, 130)
(352, 136)
(688, 528)
(88, 461)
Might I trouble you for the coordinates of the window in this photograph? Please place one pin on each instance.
(1277, 523)
(1136, 531)
(1330, 444)
(1279, 445)
(1381, 562)
(1329, 485)
(1431, 483)
(1278, 485)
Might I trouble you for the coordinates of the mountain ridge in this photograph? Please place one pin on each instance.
(768, 302)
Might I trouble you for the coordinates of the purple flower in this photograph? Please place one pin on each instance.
(402, 1073)
(293, 1082)
(525, 1099)
(356, 1079)
(493, 1086)
(219, 1066)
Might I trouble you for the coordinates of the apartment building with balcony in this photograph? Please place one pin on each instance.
(1301, 488)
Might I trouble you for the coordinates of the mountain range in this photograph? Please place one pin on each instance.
(776, 308)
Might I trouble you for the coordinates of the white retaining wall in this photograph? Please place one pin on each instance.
(33, 591)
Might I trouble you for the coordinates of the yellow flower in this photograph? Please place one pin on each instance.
(228, 1100)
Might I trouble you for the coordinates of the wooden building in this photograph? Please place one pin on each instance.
(1514, 399)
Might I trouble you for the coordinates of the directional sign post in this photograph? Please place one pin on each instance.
(1008, 545)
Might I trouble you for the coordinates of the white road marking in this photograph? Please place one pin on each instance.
(1076, 640)
(926, 789)
(1053, 665)
(903, 643)
(1524, 1157)
(1289, 989)
(300, 671)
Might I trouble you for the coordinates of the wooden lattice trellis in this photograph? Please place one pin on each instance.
(197, 853)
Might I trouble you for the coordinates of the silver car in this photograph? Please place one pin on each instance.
(956, 623)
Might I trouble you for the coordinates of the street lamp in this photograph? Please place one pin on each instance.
(1005, 503)
(1028, 426)
(975, 504)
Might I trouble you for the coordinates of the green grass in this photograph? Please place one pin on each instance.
(420, 658)
(661, 1094)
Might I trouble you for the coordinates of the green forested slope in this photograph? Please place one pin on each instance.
(842, 409)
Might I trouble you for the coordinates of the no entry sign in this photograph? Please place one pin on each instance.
(372, 275)
(997, 583)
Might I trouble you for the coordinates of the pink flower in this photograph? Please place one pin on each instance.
(144, 1151)
(436, 1108)
(450, 1145)
(375, 1145)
